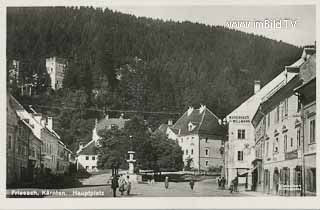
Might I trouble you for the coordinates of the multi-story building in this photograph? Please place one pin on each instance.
(240, 148)
(307, 134)
(87, 155)
(24, 151)
(12, 138)
(201, 136)
(56, 69)
(278, 145)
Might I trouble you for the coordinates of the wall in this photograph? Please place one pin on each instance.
(83, 163)
(215, 159)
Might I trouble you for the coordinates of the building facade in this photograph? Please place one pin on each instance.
(307, 96)
(56, 69)
(201, 137)
(240, 148)
(87, 155)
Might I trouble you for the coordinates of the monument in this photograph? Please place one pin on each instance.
(135, 178)
(131, 162)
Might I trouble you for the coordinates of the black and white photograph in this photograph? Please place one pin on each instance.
(134, 101)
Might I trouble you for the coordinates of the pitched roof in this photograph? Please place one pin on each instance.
(308, 71)
(204, 122)
(251, 105)
(89, 149)
(106, 123)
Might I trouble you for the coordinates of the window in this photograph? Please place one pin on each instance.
(312, 131)
(268, 120)
(207, 151)
(241, 133)
(87, 167)
(207, 140)
(277, 114)
(291, 142)
(9, 142)
(286, 107)
(87, 157)
(191, 151)
(240, 155)
(298, 137)
(93, 157)
(285, 146)
(267, 149)
(207, 163)
(187, 152)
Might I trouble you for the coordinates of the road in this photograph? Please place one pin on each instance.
(97, 186)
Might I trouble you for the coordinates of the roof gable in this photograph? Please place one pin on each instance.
(203, 122)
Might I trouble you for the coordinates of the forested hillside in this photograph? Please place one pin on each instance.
(164, 66)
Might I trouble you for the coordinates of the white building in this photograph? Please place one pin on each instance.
(56, 69)
(200, 136)
(87, 155)
(241, 134)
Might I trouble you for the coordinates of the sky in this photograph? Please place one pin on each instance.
(294, 24)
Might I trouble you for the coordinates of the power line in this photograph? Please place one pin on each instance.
(108, 110)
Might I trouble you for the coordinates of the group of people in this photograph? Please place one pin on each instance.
(122, 182)
(221, 182)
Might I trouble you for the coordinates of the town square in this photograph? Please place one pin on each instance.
(124, 102)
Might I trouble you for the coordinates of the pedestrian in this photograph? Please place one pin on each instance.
(219, 182)
(236, 184)
(121, 184)
(166, 182)
(114, 185)
(191, 183)
(223, 182)
(128, 185)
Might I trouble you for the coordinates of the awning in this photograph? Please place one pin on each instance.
(245, 172)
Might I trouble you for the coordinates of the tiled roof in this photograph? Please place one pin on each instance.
(205, 123)
(89, 149)
(308, 70)
(251, 105)
(106, 123)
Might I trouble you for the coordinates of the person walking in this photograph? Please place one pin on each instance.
(114, 185)
(121, 184)
(236, 181)
(223, 182)
(128, 185)
(219, 182)
(166, 182)
(191, 183)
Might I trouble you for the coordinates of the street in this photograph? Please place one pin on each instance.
(96, 186)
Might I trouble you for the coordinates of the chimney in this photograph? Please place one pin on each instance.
(170, 122)
(80, 146)
(256, 86)
(202, 108)
(190, 110)
(107, 117)
(50, 123)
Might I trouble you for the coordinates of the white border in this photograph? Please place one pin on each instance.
(142, 203)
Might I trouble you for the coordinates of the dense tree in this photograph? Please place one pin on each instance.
(153, 151)
(165, 65)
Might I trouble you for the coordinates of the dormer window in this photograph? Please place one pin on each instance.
(190, 126)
